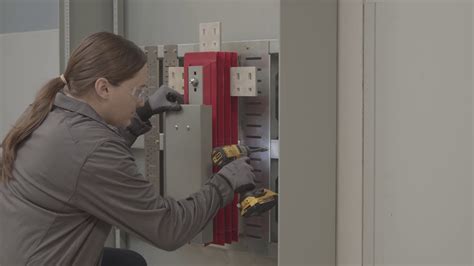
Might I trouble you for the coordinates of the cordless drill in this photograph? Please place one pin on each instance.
(253, 202)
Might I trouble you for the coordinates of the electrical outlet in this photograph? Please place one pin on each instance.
(210, 36)
(176, 78)
(243, 81)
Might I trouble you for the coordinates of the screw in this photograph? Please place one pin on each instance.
(176, 126)
(188, 127)
(194, 82)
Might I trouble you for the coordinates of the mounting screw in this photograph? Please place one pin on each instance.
(194, 82)
(188, 127)
(176, 126)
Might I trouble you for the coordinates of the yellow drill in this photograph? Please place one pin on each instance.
(253, 202)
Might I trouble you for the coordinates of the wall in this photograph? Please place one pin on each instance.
(99, 18)
(417, 124)
(419, 133)
(177, 21)
(28, 15)
(29, 60)
(29, 53)
(308, 132)
(349, 154)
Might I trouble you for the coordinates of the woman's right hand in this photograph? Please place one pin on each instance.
(239, 175)
(164, 99)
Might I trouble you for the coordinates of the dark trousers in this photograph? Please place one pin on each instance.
(121, 257)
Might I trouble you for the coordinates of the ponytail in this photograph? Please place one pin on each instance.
(100, 55)
(26, 124)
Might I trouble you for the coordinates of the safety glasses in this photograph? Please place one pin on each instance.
(140, 94)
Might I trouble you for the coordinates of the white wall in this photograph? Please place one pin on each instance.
(27, 61)
(417, 187)
(472, 143)
(418, 133)
(174, 22)
(349, 155)
(23, 16)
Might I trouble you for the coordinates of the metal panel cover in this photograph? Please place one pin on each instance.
(188, 147)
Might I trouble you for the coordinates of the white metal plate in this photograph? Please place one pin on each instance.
(243, 81)
(176, 79)
(210, 36)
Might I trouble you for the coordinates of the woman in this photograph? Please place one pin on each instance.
(68, 173)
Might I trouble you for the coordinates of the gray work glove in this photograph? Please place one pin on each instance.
(239, 175)
(163, 100)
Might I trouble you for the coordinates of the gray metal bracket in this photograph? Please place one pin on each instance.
(195, 85)
(170, 59)
(176, 78)
(152, 138)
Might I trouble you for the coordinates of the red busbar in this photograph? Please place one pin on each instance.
(216, 93)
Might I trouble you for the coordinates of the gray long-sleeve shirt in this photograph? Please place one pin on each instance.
(74, 177)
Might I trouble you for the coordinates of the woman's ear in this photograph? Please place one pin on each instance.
(102, 88)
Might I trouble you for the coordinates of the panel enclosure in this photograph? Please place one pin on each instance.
(258, 126)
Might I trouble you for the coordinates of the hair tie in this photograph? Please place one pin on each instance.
(63, 79)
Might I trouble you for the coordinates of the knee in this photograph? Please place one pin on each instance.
(122, 257)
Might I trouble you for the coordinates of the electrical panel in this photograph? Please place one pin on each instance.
(238, 83)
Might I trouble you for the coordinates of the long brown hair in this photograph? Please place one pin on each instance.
(99, 55)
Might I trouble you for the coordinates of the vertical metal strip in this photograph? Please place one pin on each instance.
(170, 59)
(152, 138)
(118, 17)
(196, 82)
(115, 15)
(274, 134)
(117, 238)
(67, 32)
(368, 223)
(118, 29)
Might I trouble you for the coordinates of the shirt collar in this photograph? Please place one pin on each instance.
(74, 105)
